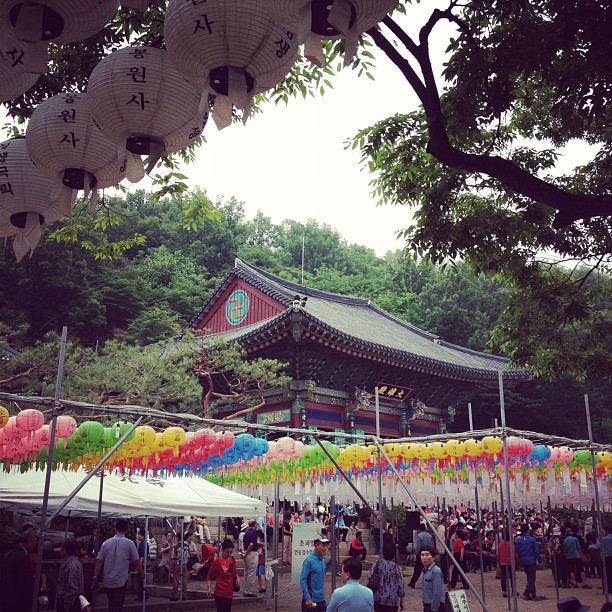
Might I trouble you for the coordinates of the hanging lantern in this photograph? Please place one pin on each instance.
(317, 20)
(60, 21)
(30, 420)
(140, 102)
(232, 50)
(65, 427)
(4, 416)
(173, 437)
(21, 64)
(27, 199)
(68, 147)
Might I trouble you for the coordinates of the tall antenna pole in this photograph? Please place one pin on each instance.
(303, 239)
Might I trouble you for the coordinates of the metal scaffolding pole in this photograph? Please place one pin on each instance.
(598, 525)
(45, 504)
(514, 588)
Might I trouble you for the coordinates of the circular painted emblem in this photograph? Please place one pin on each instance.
(237, 307)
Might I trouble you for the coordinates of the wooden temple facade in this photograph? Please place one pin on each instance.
(338, 349)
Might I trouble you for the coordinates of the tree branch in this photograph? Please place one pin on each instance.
(570, 206)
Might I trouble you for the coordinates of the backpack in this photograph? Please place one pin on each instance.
(175, 554)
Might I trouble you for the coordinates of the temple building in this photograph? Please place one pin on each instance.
(338, 350)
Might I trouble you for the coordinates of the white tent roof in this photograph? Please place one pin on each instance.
(127, 496)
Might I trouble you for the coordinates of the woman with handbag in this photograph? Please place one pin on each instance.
(223, 569)
(387, 582)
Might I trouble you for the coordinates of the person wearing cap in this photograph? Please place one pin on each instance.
(529, 553)
(312, 578)
(352, 597)
(571, 604)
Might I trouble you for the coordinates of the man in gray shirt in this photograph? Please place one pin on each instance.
(423, 539)
(115, 556)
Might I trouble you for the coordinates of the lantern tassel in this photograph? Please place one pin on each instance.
(93, 203)
(313, 49)
(135, 168)
(27, 239)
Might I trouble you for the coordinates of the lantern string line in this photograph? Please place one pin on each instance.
(128, 410)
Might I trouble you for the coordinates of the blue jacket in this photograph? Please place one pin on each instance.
(433, 587)
(528, 550)
(312, 578)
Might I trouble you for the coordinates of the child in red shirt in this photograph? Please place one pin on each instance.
(223, 568)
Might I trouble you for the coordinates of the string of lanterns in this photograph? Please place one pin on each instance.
(25, 440)
(146, 101)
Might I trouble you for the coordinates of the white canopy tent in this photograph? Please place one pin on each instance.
(127, 496)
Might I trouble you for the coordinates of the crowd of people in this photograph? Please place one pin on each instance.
(573, 551)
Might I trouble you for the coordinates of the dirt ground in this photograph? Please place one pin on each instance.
(289, 596)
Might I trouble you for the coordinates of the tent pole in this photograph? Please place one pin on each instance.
(45, 503)
(182, 559)
(275, 544)
(454, 561)
(99, 521)
(95, 470)
(598, 525)
(382, 526)
(144, 569)
(479, 526)
(332, 536)
(507, 483)
(554, 556)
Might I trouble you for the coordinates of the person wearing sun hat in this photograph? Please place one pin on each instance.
(571, 604)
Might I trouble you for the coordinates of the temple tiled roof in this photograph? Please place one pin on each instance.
(360, 325)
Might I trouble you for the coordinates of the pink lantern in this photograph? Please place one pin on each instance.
(286, 445)
(566, 454)
(555, 454)
(65, 427)
(12, 430)
(526, 447)
(298, 449)
(225, 439)
(30, 420)
(514, 445)
(272, 450)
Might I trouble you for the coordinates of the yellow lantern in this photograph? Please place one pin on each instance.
(473, 448)
(492, 445)
(174, 437)
(438, 450)
(143, 436)
(407, 450)
(4, 416)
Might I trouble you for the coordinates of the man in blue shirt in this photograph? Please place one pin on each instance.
(529, 554)
(423, 538)
(433, 581)
(312, 578)
(352, 597)
(573, 556)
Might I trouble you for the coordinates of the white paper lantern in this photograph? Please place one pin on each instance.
(232, 49)
(61, 21)
(67, 146)
(317, 20)
(21, 64)
(140, 101)
(26, 197)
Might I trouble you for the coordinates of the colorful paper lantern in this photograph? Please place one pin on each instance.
(139, 101)
(27, 198)
(30, 420)
(4, 416)
(233, 50)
